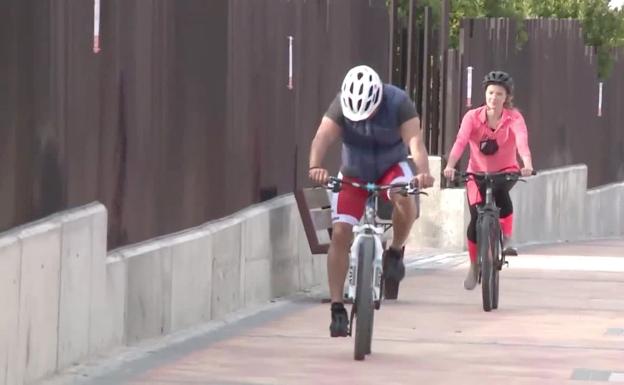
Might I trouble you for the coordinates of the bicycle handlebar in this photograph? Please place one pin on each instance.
(402, 188)
(510, 176)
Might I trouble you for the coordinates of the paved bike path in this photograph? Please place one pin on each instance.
(560, 321)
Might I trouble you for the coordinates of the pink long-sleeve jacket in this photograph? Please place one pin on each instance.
(511, 136)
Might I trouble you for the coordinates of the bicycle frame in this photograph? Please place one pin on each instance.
(368, 229)
(490, 254)
(489, 208)
(365, 265)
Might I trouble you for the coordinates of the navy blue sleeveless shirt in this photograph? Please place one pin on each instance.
(370, 147)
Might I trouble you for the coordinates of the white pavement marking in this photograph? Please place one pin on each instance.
(435, 261)
(616, 377)
(568, 262)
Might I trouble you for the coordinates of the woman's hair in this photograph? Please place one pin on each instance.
(509, 102)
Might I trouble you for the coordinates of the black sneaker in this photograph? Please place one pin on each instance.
(339, 326)
(393, 267)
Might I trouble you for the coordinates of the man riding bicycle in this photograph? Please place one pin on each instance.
(495, 133)
(377, 123)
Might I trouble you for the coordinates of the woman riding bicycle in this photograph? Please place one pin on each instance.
(496, 133)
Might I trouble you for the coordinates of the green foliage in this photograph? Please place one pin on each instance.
(461, 9)
(603, 27)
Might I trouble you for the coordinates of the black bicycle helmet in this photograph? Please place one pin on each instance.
(500, 78)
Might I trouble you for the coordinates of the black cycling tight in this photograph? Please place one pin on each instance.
(503, 201)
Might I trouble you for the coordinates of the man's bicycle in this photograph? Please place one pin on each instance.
(365, 283)
(490, 254)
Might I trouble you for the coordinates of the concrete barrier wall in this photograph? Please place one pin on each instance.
(45, 292)
(208, 272)
(64, 298)
(552, 206)
(10, 277)
(444, 216)
(604, 211)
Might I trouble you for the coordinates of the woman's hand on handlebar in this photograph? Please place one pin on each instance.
(527, 172)
(449, 173)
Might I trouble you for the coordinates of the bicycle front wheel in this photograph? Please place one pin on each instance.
(486, 245)
(364, 306)
(498, 258)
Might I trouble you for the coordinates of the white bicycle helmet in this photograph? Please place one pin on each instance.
(361, 93)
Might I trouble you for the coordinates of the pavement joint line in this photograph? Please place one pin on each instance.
(449, 342)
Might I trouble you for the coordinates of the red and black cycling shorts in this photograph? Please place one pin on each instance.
(348, 204)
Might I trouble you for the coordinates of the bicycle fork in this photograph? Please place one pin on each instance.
(352, 275)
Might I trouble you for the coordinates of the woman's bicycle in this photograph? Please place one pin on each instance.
(365, 283)
(490, 254)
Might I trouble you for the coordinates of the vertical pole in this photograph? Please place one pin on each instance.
(444, 37)
(96, 26)
(290, 62)
(600, 99)
(469, 86)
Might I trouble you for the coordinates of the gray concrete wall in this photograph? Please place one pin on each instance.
(64, 299)
(46, 292)
(604, 211)
(550, 207)
(553, 206)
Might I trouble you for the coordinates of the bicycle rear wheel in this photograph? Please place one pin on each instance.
(364, 306)
(486, 245)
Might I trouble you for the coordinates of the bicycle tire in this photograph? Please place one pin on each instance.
(497, 253)
(364, 299)
(484, 246)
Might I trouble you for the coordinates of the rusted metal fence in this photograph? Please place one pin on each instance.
(184, 116)
(418, 66)
(188, 113)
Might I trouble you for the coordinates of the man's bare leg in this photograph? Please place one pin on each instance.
(337, 259)
(337, 266)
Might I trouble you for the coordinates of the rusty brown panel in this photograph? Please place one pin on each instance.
(11, 210)
(183, 117)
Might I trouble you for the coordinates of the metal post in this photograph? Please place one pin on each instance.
(392, 9)
(444, 34)
(426, 77)
(411, 32)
